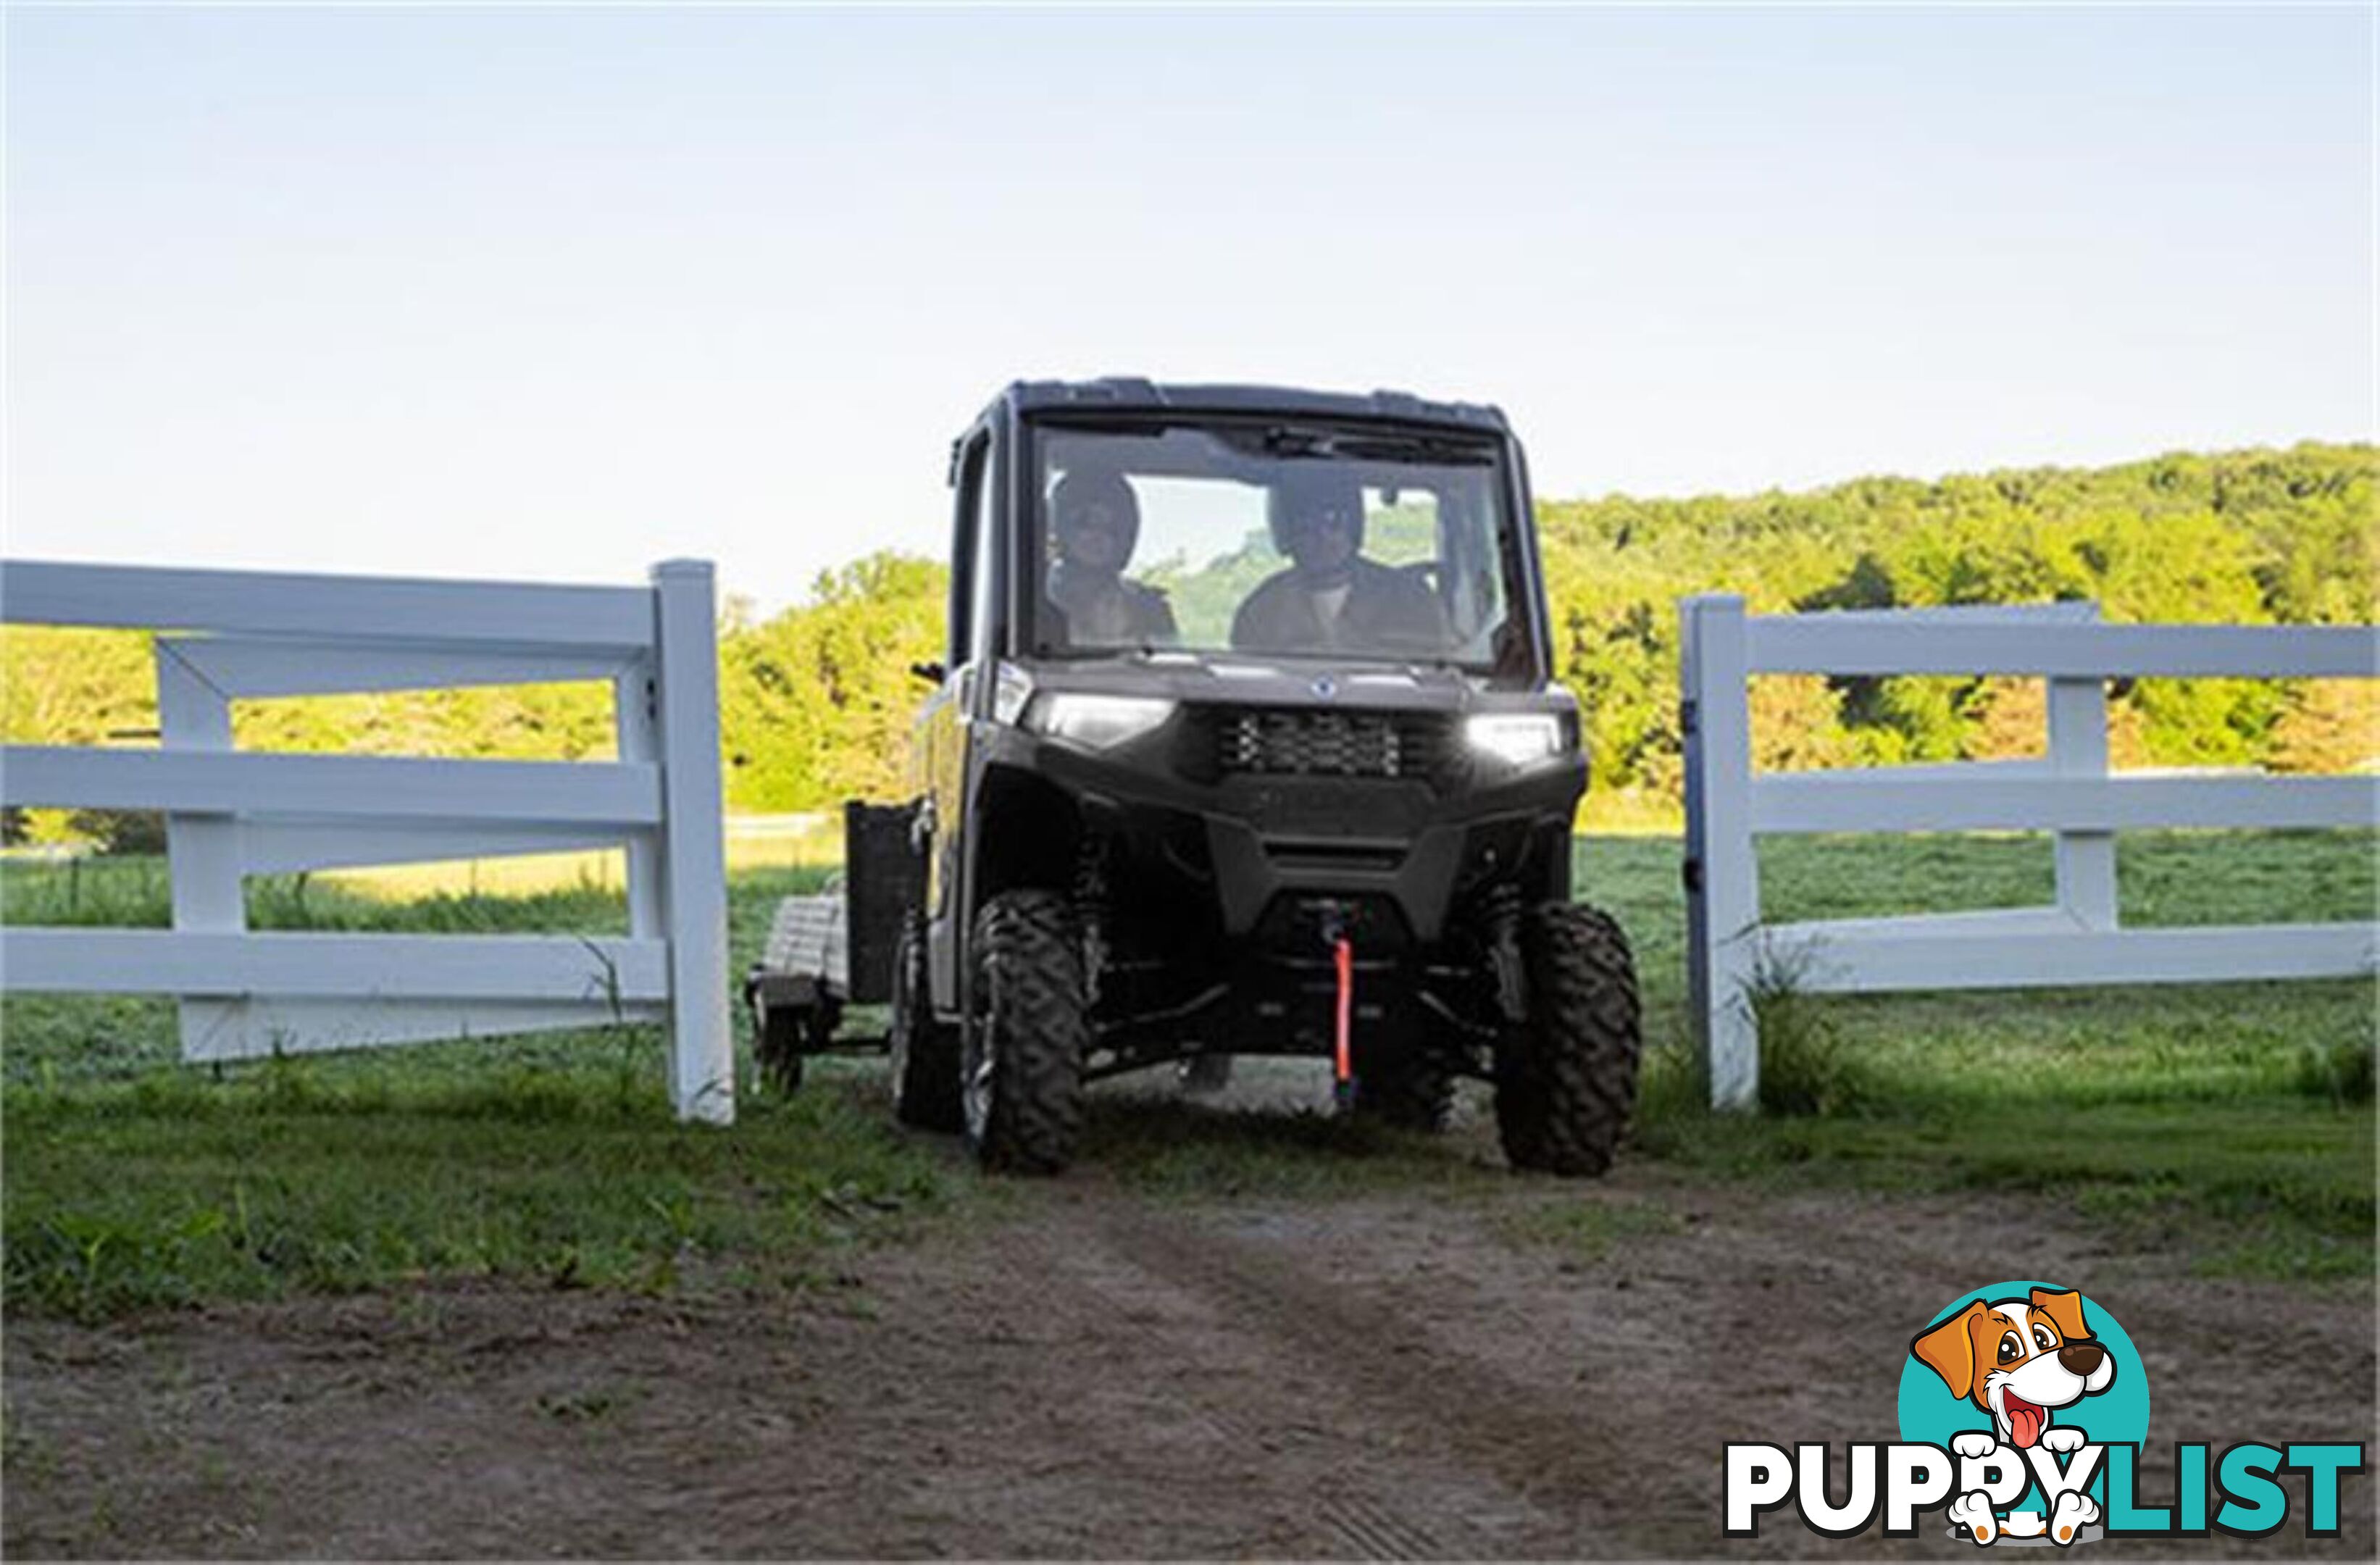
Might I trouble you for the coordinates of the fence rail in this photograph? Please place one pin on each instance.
(232, 636)
(2078, 939)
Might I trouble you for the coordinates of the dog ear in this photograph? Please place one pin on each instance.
(1948, 1350)
(2064, 1309)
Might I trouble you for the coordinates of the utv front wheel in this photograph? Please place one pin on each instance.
(924, 1052)
(1566, 1079)
(1022, 1084)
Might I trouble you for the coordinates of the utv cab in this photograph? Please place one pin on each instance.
(1245, 742)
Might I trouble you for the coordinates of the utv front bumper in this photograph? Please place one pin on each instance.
(1394, 855)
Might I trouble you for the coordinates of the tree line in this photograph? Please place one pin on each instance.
(815, 701)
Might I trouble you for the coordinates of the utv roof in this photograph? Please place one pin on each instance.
(1126, 394)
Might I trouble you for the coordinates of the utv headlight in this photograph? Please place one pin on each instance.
(1098, 723)
(1517, 739)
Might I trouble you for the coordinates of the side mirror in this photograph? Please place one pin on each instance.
(930, 671)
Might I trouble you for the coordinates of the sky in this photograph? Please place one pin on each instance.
(558, 293)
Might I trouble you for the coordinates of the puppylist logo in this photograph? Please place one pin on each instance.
(2024, 1413)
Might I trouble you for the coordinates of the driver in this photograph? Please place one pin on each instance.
(1331, 598)
(1095, 521)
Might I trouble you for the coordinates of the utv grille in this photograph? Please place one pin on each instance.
(1289, 742)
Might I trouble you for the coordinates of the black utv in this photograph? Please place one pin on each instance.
(1245, 743)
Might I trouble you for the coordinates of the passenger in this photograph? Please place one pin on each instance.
(1331, 598)
(1095, 521)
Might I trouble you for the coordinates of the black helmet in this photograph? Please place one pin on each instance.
(1084, 490)
(1309, 492)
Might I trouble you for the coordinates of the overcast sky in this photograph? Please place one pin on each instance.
(559, 293)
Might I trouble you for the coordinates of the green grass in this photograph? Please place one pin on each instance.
(177, 1189)
(135, 1183)
(2233, 1120)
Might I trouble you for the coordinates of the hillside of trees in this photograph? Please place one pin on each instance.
(2244, 538)
(816, 700)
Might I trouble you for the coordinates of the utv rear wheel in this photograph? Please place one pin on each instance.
(924, 1052)
(1022, 1084)
(1566, 1079)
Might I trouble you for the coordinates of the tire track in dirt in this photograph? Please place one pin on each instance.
(1122, 1287)
(1269, 1415)
(1378, 1533)
(1537, 1461)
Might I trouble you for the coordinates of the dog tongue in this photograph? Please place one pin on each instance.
(2025, 1421)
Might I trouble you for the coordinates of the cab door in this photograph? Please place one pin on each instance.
(946, 726)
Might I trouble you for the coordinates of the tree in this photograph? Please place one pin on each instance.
(817, 703)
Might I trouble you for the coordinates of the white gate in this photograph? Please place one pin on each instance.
(231, 814)
(2077, 940)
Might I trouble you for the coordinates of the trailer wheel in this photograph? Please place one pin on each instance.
(1022, 1084)
(777, 1045)
(924, 1052)
(1566, 1079)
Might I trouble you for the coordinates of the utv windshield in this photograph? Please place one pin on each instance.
(1298, 540)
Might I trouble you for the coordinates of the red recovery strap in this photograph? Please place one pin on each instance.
(1343, 950)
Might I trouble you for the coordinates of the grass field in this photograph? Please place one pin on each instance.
(2234, 1120)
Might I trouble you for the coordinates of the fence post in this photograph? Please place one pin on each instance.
(635, 694)
(2078, 748)
(1722, 873)
(694, 868)
(202, 852)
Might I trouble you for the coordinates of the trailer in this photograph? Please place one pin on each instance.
(835, 950)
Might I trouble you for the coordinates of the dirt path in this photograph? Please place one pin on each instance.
(1097, 1372)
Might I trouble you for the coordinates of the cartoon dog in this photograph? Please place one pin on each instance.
(2019, 1360)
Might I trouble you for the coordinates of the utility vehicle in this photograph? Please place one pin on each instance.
(1245, 743)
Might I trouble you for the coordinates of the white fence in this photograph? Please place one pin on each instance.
(231, 814)
(2077, 940)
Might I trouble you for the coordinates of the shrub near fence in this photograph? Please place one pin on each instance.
(232, 814)
(1731, 957)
